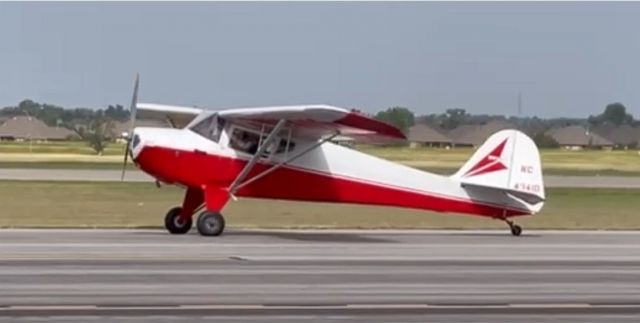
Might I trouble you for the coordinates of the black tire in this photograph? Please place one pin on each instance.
(210, 223)
(516, 230)
(175, 224)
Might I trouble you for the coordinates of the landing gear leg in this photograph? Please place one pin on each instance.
(516, 230)
(210, 221)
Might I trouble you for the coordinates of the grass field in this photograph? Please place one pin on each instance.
(85, 204)
(622, 161)
(555, 162)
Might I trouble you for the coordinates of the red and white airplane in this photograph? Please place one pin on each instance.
(285, 152)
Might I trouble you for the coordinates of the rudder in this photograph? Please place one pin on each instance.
(508, 161)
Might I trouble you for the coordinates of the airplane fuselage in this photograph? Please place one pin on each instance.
(327, 173)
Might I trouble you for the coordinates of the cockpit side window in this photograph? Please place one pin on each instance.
(210, 128)
(249, 141)
(244, 140)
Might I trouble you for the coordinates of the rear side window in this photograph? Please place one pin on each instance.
(284, 147)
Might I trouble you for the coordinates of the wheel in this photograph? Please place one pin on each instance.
(210, 223)
(516, 230)
(175, 224)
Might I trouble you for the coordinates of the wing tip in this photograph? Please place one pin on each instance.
(359, 120)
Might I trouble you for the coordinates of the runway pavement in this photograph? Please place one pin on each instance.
(138, 176)
(291, 276)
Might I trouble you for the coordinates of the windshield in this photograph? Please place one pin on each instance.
(210, 127)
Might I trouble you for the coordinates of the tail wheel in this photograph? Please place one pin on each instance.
(516, 230)
(175, 223)
(210, 223)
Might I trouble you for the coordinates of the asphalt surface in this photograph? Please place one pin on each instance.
(318, 276)
(138, 176)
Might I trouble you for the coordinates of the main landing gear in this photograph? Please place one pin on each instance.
(208, 224)
(175, 223)
(516, 230)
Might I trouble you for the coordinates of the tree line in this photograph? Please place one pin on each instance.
(614, 114)
(57, 116)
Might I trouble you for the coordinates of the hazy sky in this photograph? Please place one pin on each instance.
(567, 59)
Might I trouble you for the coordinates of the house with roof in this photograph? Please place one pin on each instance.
(423, 135)
(475, 135)
(623, 136)
(578, 137)
(20, 128)
(344, 141)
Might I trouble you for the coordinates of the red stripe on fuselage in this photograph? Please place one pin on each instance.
(197, 169)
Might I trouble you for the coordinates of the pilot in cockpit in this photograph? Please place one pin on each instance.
(244, 141)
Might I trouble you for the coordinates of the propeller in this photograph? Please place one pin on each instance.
(132, 120)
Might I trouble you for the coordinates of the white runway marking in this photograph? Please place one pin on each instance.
(352, 306)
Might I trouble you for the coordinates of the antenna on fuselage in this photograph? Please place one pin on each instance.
(132, 119)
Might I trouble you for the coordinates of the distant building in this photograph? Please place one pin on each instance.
(475, 135)
(344, 141)
(624, 136)
(457, 135)
(22, 128)
(427, 136)
(579, 137)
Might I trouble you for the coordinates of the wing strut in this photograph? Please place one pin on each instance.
(254, 159)
(282, 163)
(171, 122)
(237, 183)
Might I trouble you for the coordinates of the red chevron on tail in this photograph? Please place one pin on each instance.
(490, 163)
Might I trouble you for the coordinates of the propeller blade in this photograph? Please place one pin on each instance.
(126, 158)
(133, 108)
(132, 119)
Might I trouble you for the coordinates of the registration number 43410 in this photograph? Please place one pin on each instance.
(534, 188)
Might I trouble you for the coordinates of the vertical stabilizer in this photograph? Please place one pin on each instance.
(508, 161)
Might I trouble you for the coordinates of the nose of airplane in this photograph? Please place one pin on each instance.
(153, 150)
(135, 140)
(134, 146)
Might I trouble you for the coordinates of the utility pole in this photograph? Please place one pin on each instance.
(519, 104)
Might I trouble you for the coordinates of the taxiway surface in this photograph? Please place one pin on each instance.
(290, 276)
(107, 175)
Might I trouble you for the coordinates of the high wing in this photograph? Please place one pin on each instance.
(176, 116)
(315, 121)
(307, 121)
